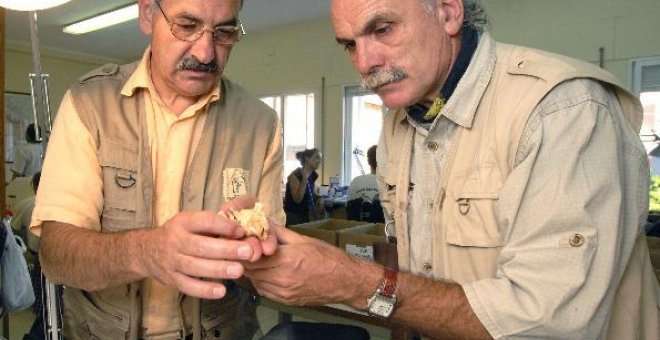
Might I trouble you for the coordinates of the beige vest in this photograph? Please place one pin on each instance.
(474, 176)
(117, 124)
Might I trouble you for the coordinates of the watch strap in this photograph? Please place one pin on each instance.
(388, 285)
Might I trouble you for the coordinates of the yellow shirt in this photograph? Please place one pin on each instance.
(171, 139)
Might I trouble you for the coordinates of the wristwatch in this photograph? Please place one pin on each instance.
(382, 303)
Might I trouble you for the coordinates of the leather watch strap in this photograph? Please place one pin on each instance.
(388, 286)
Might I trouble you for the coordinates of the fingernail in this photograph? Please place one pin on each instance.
(234, 270)
(219, 291)
(244, 252)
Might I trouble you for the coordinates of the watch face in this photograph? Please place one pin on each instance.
(382, 306)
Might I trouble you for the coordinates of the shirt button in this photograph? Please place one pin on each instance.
(426, 267)
(431, 204)
(432, 146)
(576, 240)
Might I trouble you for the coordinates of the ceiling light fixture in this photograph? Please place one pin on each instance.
(103, 20)
(30, 5)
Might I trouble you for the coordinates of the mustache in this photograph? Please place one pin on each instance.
(382, 77)
(192, 64)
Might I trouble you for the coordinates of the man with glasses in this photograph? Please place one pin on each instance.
(141, 158)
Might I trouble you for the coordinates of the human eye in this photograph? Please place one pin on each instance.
(188, 28)
(382, 29)
(225, 31)
(349, 46)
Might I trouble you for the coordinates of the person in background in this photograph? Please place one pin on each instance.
(141, 159)
(23, 210)
(27, 157)
(363, 202)
(20, 223)
(514, 179)
(302, 201)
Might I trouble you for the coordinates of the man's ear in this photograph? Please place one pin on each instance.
(146, 16)
(453, 15)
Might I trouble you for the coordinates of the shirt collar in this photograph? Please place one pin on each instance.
(141, 79)
(462, 105)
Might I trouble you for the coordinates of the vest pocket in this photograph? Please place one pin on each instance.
(85, 319)
(233, 317)
(471, 210)
(120, 181)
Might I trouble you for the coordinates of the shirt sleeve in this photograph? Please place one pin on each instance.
(571, 210)
(269, 189)
(71, 187)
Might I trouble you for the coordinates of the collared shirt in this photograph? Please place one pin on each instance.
(430, 144)
(568, 154)
(171, 138)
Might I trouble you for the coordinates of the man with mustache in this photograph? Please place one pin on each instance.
(513, 179)
(141, 158)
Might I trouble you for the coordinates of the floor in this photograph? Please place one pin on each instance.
(19, 323)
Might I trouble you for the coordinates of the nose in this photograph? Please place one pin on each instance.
(365, 57)
(204, 48)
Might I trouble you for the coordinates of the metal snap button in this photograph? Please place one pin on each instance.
(576, 240)
(433, 146)
(426, 267)
(463, 205)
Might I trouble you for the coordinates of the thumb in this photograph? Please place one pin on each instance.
(236, 204)
(287, 236)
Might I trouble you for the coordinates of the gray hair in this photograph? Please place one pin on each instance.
(474, 13)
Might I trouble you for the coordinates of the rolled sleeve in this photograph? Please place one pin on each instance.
(571, 211)
(71, 187)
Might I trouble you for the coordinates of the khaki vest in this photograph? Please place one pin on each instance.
(471, 183)
(117, 124)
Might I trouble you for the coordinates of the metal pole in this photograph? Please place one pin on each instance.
(52, 313)
(38, 81)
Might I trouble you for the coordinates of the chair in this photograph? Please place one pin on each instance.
(298, 330)
(360, 209)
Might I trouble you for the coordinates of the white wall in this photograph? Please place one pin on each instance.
(64, 69)
(578, 28)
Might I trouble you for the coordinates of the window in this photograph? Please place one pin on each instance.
(645, 83)
(363, 117)
(296, 113)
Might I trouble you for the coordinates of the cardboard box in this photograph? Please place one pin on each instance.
(326, 230)
(359, 241)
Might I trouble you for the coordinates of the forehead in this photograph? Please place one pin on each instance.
(203, 8)
(350, 17)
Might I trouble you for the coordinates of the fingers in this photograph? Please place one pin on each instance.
(206, 223)
(286, 236)
(201, 246)
(242, 202)
(198, 288)
(216, 269)
(269, 245)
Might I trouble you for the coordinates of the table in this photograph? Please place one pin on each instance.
(335, 206)
(338, 310)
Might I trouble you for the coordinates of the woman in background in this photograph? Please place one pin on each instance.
(301, 200)
(27, 157)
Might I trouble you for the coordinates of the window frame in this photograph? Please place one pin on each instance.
(349, 92)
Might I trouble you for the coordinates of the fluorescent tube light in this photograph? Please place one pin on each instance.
(103, 20)
(30, 5)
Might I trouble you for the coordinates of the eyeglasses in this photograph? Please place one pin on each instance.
(222, 35)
